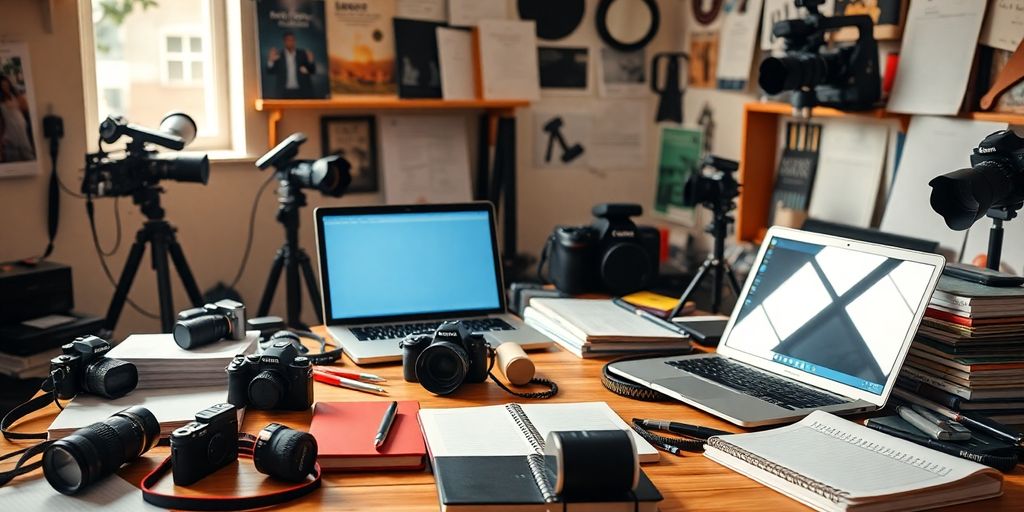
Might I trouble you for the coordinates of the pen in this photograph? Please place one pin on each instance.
(649, 317)
(984, 424)
(1002, 463)
(365, 377)
(342, 382)
(919, 422)
(385, 425)
(683, 429)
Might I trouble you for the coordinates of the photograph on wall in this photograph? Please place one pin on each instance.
(623, 74)
(362, 47)
(293, 49)
(888, 16)
(564, 70)
(18, 139)
(355, 139)
(679, 156)
(703, 59)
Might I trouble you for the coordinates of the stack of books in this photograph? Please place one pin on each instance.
(969, 351)
(592, 328)
(163, 364)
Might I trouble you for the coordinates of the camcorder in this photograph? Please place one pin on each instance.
(714, 185)
(331, 175)
(224, 319)
(446, 359)
(277, 379)
(141, 167)
(845, 77)
(995, 181)
(84, 367)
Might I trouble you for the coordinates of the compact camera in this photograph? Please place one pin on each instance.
(442, 361)
(279, 378)
(223, 319)
(205, 445)
(612, 255)
(84, 367)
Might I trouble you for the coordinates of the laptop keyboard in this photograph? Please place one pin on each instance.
(756, 383)
(394, 331)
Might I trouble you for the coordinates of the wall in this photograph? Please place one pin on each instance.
(212, 219)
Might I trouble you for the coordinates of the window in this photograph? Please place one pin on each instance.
(153, 57)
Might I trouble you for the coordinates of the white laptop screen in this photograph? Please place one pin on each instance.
(382, 265)
(834, 312)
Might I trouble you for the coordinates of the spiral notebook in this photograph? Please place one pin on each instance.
(863, 470)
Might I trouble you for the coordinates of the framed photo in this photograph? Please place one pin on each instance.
(19, 137)
(355, 139)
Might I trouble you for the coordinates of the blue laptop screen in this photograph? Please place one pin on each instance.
(831, 311)
(394, 264)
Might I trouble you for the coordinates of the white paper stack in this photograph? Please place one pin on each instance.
(163, 364)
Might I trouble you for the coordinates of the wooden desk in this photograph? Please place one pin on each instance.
(687, 483)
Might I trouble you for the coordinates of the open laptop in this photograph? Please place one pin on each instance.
(822, 323)
(389, 271)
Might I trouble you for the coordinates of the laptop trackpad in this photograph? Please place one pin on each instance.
(695, 388)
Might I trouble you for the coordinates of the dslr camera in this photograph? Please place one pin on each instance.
(205, 445)
(213, 322)
(279, 378)
(442, 361)
(84, 367)
(846, 77)
(612, 255)
(993, 185)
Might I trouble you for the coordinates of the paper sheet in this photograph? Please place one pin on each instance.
(423, 10)
(738, 44)
(849, 171)
(455, 52)
(1004, 24)
(162, 346)
(936, 56)
(933, 146)
(467, 13)
(618, 137)
(112, 494)
(508, 59)
(425, 158)
(168, 405)
(622, 74)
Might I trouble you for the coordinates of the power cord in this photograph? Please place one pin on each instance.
(90, 211)
(252, 227)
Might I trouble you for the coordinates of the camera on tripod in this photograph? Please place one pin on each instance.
(714, 185)
(331, 175)
(84, 367)
(140, 166)
(846, 77)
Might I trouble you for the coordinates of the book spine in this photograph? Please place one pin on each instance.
(830, 493)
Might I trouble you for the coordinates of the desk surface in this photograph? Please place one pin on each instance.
(687, 483)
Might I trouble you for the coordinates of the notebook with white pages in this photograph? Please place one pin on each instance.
(829, 463)
(601, 320)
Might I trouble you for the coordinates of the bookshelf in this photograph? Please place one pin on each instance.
(759, 148)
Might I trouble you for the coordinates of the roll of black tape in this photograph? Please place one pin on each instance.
(592, 464)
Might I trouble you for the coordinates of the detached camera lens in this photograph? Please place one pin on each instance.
(91, 453)
(442, 368)
(284, 453)
(111, 378)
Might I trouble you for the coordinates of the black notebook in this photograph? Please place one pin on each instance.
(491, 458)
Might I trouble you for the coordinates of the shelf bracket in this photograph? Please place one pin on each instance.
(273, 119)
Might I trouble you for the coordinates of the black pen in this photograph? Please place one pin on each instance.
(618, 301)
(1002, 463)
(683, 429)
(385, 425)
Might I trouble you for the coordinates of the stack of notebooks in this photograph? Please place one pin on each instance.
(163, 364)
(969, 351)
(591, 328)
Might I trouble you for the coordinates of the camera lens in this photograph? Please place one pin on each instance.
(625, 268)
(442, 367)
(183, 168)
(284, 453)
(93, 452)
(777, 74)
(266, 390)
(965, 195)
(201, 330)
(110, 378)
(330, 175)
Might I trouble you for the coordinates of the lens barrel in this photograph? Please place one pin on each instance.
(201, 330)
(331, 175)
(284, 453)
(965, 195)
(442, 367)
(91, 453)
(182, 167)
(110, 378)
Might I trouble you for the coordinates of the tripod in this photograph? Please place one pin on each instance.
(291, 258)
(161, 235)
(715, 261)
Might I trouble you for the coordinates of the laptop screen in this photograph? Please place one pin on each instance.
(835, 312)
(397, 264)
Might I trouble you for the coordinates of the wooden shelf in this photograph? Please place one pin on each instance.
(996, 117)
(879, 113)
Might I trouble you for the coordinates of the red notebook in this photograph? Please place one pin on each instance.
(344, 433)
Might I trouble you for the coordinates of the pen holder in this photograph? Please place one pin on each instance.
(515, 364)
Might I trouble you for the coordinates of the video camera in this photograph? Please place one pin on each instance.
(844, 78)
(715, 188)
(142, 167)
(331, 175)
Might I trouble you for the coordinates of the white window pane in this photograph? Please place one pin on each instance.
(196, 45)
(882, 319)
(197, 71)
(845, 268)
(175, 70)
(796, 301)
(173, 44)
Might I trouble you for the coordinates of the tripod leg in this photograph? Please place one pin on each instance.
(163, 283)
(732, 279)
(187, 279)
(311, 284)
(124, 284)
(718, 277)
(271, 287)
(689, 289)
(292, 292)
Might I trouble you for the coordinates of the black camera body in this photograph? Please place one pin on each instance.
(613, 254)
(84, 367)
(205, 445)
(846, 77)
(446, 359)
(277, 379)
(993, 185)
(331, 175)
(224, 319)
(715, 189)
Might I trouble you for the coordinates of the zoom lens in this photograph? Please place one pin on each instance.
(93, 452)
(182, 168)
(284, 453)
(110, 378)
(201, 330)
(442, 367)
(266, 390)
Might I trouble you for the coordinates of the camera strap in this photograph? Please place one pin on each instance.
(26, 408)
(246, 444)
(550, 384)
(20, 468)
(325, 357)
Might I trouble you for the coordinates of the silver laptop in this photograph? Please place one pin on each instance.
(388, 271)
(822, 323)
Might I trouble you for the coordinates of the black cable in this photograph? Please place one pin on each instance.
(252, 228)
(90, 210)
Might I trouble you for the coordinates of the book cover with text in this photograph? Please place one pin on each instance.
(362, 46)
(293, 49)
